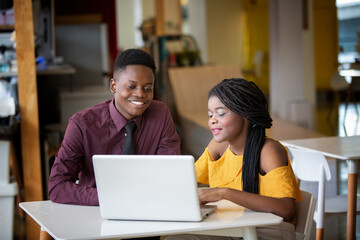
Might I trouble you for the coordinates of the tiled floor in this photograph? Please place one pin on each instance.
(336, 123)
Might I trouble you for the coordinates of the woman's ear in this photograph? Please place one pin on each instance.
(113, 85)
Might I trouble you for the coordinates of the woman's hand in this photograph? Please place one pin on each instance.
(207, 195)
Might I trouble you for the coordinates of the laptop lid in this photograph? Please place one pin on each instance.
(148, 187)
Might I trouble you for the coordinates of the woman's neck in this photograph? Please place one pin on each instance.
(238, 146)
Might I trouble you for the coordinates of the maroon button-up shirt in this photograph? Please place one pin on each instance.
(100, 130)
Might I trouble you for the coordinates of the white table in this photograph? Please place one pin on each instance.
(342, 148)
(64, 221)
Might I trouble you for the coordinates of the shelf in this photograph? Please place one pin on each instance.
(8, 74)
(51, 70)
(7, 27)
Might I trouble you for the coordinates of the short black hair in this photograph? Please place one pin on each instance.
(133, 56)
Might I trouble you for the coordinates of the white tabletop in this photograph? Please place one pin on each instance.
(350, 72)
(64, 221)
(343, 148)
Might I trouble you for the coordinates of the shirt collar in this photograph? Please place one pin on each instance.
(119, 120)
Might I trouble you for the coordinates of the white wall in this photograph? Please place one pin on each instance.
(196, 25)
(309, 65)
(125, 22)
(292, 87)
(129, 17)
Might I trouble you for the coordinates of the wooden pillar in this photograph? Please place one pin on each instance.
(168, 17)
(159, 18)
(28, 102)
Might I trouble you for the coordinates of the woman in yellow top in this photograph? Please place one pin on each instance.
(243, 166)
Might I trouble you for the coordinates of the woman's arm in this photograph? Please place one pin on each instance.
(272, 156)
(283, 207)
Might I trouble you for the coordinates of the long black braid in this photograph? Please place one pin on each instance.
(245, 98)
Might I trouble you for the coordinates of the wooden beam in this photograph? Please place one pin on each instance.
(159, 18)
(168, 17)
(79, 19)
(28, 103)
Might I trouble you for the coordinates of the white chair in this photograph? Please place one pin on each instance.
(339, 84)
(312, 166)
(304, 216)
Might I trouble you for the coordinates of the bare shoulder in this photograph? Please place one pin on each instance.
(272, 156)
(217, 149)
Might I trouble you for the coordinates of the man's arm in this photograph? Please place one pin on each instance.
(169, 142)
(65, 171)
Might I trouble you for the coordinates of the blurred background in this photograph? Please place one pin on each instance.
(303, 54)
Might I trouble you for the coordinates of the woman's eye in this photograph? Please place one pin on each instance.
(131, 87)
(221, 114)
(147, 89)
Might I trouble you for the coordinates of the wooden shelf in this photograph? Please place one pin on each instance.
(51, 70)
(7, 27)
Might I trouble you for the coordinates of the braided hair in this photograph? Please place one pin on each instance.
(245, 98)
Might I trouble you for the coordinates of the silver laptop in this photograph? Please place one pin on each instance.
(148, 187)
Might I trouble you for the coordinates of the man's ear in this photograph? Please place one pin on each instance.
(113, 85)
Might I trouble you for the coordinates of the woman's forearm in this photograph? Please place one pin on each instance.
(284, 207)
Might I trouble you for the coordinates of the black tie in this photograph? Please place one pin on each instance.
(128, 148)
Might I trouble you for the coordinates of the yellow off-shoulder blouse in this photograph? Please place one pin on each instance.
(227, 172)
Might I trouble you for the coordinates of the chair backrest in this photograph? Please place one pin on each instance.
(308, 164)
(201, 79)
(312, 166)
(304, 215)
(338, 82)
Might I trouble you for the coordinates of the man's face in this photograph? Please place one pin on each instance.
(133, 90)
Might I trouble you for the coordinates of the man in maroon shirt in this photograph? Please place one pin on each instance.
(100, 130)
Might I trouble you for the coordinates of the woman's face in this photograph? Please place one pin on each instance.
(224, 124)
